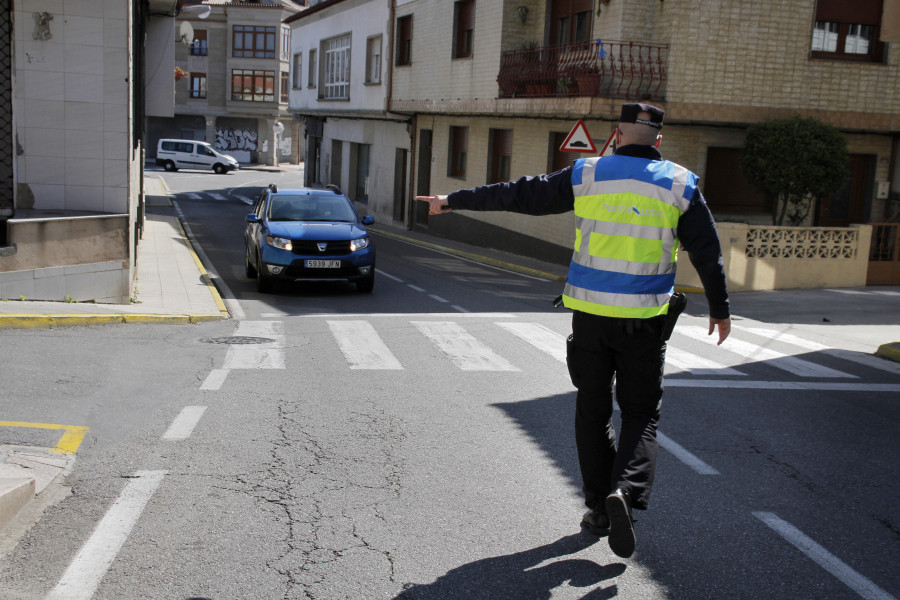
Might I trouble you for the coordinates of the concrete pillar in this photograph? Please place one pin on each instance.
(211, 130)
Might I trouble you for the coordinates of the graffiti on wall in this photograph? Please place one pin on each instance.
(230, 139)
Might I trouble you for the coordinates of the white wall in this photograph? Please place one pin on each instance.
(71, 105)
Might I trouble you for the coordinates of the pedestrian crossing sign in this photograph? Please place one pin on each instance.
(579, 140)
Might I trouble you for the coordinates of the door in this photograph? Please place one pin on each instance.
(423, 175)
(399, 184)
(854, 202)
(337, 155)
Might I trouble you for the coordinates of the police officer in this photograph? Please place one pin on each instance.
(631, 210)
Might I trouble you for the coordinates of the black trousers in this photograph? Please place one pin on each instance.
(628, 351)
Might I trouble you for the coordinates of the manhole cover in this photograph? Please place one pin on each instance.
(237, 339)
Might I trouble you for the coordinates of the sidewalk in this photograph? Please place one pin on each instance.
(171, 284)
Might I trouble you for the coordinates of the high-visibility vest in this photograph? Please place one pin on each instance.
(626, 245)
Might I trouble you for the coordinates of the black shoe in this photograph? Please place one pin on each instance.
(596, 522)
(621, 528)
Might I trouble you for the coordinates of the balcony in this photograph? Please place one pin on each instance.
(612, 69)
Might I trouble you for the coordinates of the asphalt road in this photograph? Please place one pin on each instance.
(417, 442)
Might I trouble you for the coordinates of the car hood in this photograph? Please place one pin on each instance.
(297, 230)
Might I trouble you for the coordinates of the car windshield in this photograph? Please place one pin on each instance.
(310, 208)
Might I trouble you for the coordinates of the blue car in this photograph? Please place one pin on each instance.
(307, 234)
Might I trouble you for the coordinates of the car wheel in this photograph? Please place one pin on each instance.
(263, 283)
(219, 168)
(365, 285)
(170, 166)
(251, 271)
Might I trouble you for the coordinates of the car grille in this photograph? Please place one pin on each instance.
(311, 248)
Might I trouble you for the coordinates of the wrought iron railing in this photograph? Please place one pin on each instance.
(609, 69)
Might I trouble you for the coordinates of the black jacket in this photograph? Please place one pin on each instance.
(552, 194)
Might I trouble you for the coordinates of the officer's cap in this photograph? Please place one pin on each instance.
(631, 110)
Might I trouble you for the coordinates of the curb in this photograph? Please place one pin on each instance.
(30, 321)
(889, 351)
(203, 273)
(15, 494)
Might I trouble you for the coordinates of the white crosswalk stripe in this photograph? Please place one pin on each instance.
(362, 346)
(540, 337)
(754, 353)
(217, 196)
(462, 348)
(696, 364)
(268, 355)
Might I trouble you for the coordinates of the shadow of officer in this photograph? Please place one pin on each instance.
(518, 576)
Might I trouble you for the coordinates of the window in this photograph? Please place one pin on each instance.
(199, 47)
(253, 41)
(313, 66)
(285, 43)
(459, 145)
(373, 59)
(404, 41)
(198, 85)
(726, 189)
(336, 68)
(297, 68)
(285, 87)
(848, 31)
(571, 21)
(463, 28)
(500, 153)
(252, 86)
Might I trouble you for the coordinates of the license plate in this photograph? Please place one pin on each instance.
(323, 264)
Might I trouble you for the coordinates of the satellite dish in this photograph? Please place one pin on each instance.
(186, 33)
(200, 12)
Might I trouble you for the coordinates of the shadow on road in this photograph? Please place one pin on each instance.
(519, 576)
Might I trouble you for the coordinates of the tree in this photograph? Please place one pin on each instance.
(797, 161)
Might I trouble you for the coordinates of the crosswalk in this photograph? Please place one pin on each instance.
(752, 357)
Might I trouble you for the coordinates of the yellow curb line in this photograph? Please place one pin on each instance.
(206, 278)
(67, 444)
(889, 351)
(500, 263)
(476, 257)
(27, 321)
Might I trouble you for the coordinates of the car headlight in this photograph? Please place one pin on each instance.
(359, 244)
(277, 242)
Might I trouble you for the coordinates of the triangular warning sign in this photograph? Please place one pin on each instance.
(579, 140)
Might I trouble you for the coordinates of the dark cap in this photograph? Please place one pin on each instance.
(631, 110)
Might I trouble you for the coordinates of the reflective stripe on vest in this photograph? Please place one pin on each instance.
(626, 212)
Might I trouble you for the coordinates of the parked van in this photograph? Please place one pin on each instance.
(188, 154)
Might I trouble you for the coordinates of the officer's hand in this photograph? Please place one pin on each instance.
(436, 204)
(724, 326)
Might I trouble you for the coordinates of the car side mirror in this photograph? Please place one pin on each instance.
(367, 220)
(252, 218)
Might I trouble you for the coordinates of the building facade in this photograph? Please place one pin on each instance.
(72, 174)
(232, 80)
(340, 79)
(495, 86)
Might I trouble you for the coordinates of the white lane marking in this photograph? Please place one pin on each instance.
(388, 275)
(863, 359)
(863, 586)
(754, 352)
(193, 196)
(438, 298)
(540, 337)
(244, 199)
(467, 313)
(269, 355)
(697, 365)
(217, 196)
(886, 293)
(407, 315)
(362, 346)
(684, 456)
(215, 379)
(183, 425)
(415, 287)
(848, 291)
(825, 386)
(464, 350)
(81, 579)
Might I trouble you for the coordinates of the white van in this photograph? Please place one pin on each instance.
(188, 154)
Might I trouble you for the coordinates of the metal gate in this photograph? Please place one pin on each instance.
(884, 255)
